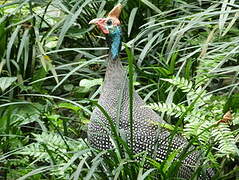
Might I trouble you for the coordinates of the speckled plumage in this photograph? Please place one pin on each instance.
(147, 136)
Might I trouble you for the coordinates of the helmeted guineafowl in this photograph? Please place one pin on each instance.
(115, 93)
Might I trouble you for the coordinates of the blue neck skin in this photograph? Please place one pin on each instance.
(114, 42)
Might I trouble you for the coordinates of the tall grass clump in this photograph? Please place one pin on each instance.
(182, 58)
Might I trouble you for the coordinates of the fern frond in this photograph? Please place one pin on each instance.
(169, 109)
(200, 129)
(180, 82)
(192, 93)
(62, 151)
(54, 143)
(206, 67)
(225, 139)
(200, 120)
(236, 119)
(35, 150)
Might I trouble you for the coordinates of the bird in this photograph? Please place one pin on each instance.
(114, 99)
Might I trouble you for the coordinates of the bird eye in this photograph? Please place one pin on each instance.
(109, 22)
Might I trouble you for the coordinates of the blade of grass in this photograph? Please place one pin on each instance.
(9, 47)
(59, 98)
(231, 23)
(147, 48)
(152, 6)
(35, 171)
(131, 20)
(131, 94)
(69, 21)
(79, 168)
(22, 44)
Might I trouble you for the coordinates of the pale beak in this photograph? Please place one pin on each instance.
(100, 24)
(94, 21)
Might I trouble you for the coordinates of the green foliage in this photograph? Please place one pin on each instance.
(56, 150)
(171, 109)
(6, 82)
(185, 56)
(200, 116)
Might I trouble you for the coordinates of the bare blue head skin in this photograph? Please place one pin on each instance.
(114, 42)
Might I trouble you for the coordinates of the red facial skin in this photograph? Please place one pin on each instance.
(101, 23)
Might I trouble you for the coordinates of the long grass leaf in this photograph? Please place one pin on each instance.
(131, 20)
(27, 19)
(131, 95)
(209, 39)
(59, 98)
(35, 171)
(231, 23)
(69, 21)
(92, 170)
(75, 157)
(73, 71)
(79, 168)
(146, 174)
(10, 45)
(151, 5)
(146, 49)
(22, 44)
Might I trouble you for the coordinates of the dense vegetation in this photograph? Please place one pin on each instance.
(185, 66)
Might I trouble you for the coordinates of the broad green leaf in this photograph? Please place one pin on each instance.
(51, 44)
(69, 106)
(38, 79)
(87, 83)
(6, 82)
(68, 87)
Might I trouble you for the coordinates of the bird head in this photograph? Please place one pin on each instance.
(110, 26)
(111, 23)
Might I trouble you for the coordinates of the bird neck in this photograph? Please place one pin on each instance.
(115, 77)
(114, 43)
(115, 72)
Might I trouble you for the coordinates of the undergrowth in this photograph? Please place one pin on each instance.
(183, 62)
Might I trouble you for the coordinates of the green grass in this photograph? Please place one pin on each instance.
(182, 59)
